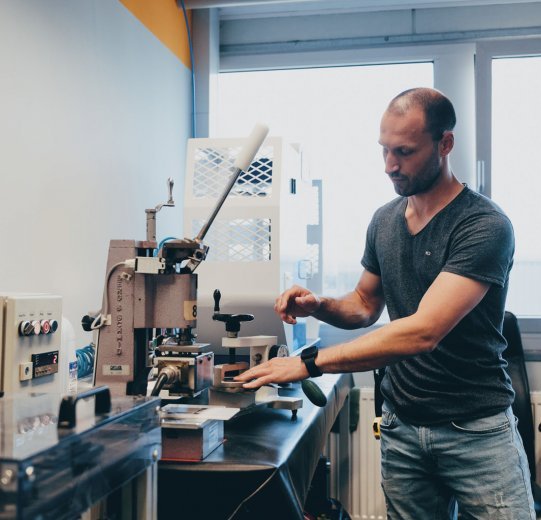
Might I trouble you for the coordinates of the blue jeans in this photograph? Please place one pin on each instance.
(479, 464)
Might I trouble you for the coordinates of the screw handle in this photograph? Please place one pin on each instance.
(217, 296)
(232, 321)
(170, 184)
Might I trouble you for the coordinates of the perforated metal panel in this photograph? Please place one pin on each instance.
(238, 240)
(213, 168)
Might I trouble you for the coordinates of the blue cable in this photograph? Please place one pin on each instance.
(85, 360)
(160, 245)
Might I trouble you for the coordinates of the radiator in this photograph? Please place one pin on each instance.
(366, 496)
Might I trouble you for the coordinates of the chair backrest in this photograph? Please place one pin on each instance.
(522, 407)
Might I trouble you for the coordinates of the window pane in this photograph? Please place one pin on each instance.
(516, 183)
(334, 113)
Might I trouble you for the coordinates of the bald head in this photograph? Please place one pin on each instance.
(438, 110)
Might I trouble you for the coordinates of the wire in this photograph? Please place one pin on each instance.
(194, 130)
(101, 319)
(160, 245)
(246, 499)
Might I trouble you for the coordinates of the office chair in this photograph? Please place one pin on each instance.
(522, 407)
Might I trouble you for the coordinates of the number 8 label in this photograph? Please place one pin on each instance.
(190, 310)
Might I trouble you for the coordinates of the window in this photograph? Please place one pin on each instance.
(334, 113)
(508, 79)
(515, 181)
(479, 75)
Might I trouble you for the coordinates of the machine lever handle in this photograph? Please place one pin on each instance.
(313, 392)
(217, 295)
(245, 157)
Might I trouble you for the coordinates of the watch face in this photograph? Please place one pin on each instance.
(309, 352)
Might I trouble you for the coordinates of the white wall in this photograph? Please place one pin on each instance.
(94, 116)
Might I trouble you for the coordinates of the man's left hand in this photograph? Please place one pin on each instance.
(277, 370)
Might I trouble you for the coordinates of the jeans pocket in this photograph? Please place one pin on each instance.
(389, 420)
(484, 426)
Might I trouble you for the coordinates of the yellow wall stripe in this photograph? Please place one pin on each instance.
(164, 19)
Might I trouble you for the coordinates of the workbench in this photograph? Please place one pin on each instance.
(265, 466)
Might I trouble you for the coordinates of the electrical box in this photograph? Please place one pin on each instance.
(30, 343)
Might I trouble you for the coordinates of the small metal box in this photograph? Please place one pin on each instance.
(190, 439)
(191, 432)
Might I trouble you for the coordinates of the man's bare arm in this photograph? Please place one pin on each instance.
(447, 301)
(360, 308)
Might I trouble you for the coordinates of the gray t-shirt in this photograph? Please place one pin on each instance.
(464, 376)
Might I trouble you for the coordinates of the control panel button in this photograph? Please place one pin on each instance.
(26, 328)
(45, 326)
(54, 325)
(37, 327)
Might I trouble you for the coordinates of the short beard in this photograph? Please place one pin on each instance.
(423, 182)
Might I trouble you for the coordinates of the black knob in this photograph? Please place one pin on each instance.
(313, 392)
(217, 295)
(86, 322)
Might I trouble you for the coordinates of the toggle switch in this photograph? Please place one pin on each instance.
(26, 328)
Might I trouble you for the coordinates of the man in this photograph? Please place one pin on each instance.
(438, 257)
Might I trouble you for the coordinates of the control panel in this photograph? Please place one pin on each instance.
(30, 341)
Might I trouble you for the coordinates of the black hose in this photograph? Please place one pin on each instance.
(162, 380)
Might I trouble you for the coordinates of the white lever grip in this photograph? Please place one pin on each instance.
(253, 142)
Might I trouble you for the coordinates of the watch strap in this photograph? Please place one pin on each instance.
(309, 356)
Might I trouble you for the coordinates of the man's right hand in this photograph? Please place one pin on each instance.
(296, 302)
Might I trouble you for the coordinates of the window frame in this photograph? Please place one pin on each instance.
(461, 70)
(485, 53)
(446, 58)
(530, 326)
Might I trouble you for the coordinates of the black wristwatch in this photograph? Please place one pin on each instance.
(309, 355)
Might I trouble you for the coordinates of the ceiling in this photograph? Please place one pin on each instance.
(253, 7)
